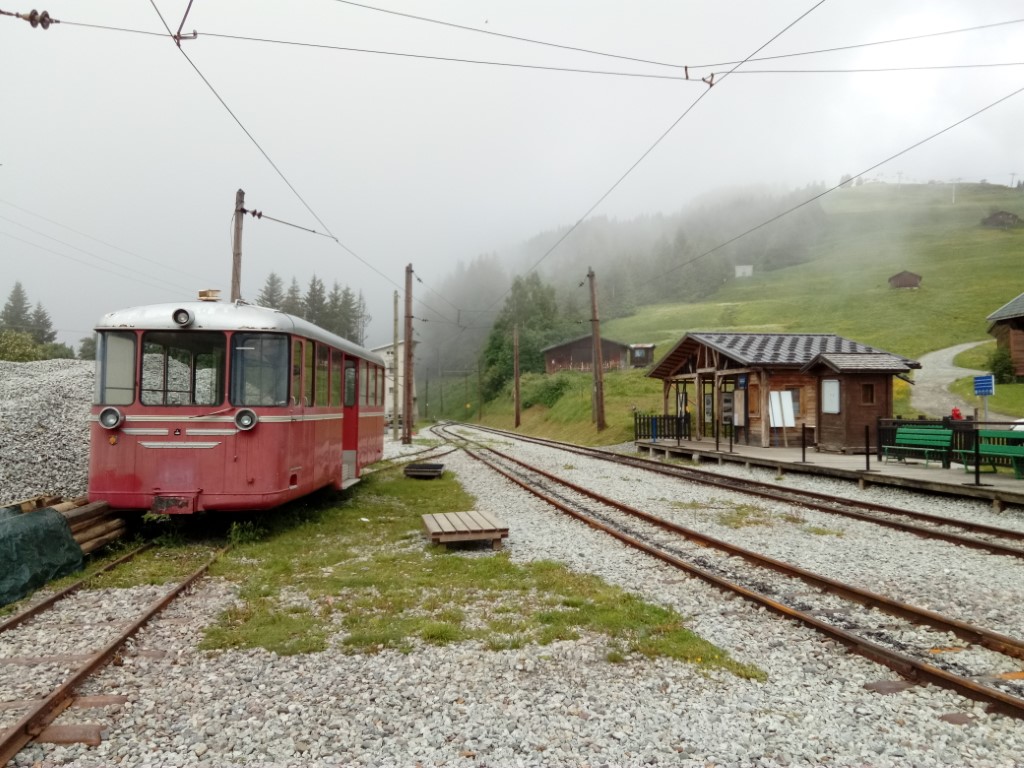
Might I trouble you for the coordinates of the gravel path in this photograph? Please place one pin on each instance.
(930, 393)
(564, 704)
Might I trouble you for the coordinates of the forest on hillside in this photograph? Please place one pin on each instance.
(651, 259)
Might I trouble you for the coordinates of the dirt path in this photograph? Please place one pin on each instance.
(930, 394)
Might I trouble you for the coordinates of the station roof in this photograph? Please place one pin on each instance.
(604, 340)
(882, 362)
(1009, 310)
(779, 350)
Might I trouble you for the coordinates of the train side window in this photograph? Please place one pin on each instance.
(365, 378)
(336, 377)
(115, 357)
(259, 369)
(350, 383)
(323, 366)
(297, 372)
(310, 375)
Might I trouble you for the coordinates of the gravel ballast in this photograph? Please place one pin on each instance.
(557, 705)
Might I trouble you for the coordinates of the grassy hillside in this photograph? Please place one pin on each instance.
(873, 232)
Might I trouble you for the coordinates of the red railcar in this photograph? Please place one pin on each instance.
(210, 405)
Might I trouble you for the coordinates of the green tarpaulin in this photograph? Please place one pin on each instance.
(35, 548)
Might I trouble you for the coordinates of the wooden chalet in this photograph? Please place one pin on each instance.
(578, 355)
(761, 388)
(905, 279)
(1007, 325)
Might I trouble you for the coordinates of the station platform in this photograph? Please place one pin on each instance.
(1002, 489)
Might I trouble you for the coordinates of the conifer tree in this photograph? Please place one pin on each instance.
(272, 294)
(41, 327)
(292, 303)
(17, 314)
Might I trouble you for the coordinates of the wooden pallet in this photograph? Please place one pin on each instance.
(448, 527)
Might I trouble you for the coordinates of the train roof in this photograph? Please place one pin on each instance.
(226, 316)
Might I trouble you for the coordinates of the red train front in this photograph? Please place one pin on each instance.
(215, 406)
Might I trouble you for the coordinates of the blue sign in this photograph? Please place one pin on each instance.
(985, 385)
(741, 381)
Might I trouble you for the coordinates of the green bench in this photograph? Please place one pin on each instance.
(994, 444)
(924, 441)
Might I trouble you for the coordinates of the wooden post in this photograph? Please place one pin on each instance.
(515, 369)
(597, 358)
(407, 412)
(394, 376)
(236, 248)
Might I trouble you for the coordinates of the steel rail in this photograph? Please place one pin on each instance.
(807, 499)
(902, 664)
(33, 610)
(36, 720)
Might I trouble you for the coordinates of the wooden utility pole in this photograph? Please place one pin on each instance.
(515, 368)
(407, 412)
(236, 248)
(394, 376)
(598, 358)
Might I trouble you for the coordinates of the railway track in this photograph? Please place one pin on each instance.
(919, 644)
(965, 533)
(42, 666)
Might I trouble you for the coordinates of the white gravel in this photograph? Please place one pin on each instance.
(564, 705)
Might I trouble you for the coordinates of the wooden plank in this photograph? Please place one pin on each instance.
(473, 525)
(81, 733)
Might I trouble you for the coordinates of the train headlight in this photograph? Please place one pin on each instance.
(183, 317)
(111, 418)
(246, 419)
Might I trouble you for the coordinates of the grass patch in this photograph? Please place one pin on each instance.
(744, 516)
(1008, 399)
(355, 574)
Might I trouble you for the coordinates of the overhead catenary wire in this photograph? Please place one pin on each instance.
(675, 65)
(267, 157)
(661, 138)
(833, 188)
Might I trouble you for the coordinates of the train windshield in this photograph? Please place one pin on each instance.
(259, 369)
(183, 368)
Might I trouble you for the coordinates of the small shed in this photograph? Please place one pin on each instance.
(1007, 325)
(641, 355)
(1001, 220)
(761, 388)
(578, 355)
(905, 279)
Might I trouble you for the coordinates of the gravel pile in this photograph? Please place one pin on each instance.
(44, 428)
(564, 705)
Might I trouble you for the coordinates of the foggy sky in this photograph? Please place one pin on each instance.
(429, 162)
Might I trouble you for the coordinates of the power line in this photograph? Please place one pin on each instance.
(154, 262)
(869, 70)
(80, 261)
(818, 196)
(592, 52)
(661, 138)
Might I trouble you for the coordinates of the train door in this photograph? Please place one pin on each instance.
(300, 436)
(350, 424)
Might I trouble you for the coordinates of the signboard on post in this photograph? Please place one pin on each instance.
(984, 387)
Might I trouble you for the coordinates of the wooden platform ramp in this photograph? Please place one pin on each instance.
(465, 526)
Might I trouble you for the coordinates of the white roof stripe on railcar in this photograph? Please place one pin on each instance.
(221, 316)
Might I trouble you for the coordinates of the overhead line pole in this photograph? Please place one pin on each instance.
(236, 248)
(407, 413)
(597, 357)
(394, 376)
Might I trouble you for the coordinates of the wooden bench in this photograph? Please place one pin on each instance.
(448, 527)
(993, 444)
(924, 441)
